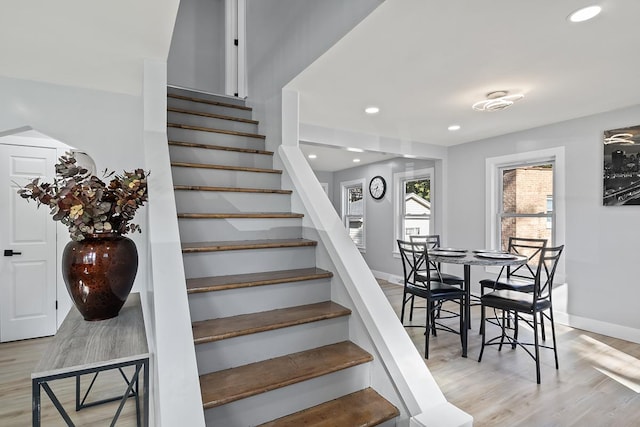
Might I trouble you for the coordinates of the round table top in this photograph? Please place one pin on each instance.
(469, 257)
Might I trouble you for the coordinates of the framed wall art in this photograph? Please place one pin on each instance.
(621, 166)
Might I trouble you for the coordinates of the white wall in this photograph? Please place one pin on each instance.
(379, 225)
(602, 248)
(283, 38)
(197, 55)
(107, 126)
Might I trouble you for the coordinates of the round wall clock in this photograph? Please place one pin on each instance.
(377, 187)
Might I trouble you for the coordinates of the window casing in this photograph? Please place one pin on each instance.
(413, 210)
(353, 207)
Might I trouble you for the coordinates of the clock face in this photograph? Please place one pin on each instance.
(377, 187)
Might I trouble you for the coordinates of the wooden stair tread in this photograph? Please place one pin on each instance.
(363, 408)
(230, 189)
(234, 326)
(240, 215)
(194, 247)
(208, 101)
(235, 281)
(220, 147)
(221, 387)
(214, 130)
(211, 115)
(224, 167)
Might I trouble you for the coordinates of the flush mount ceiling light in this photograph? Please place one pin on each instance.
(619, 138)
(584, 14)
(454, 127)
(498, 100)
(312, 156)
(355, 150)
(356, 160)
(372, 110)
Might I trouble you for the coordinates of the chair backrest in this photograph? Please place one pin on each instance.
(431, 240)
(532, 249)
(414, 258)
(546, 271)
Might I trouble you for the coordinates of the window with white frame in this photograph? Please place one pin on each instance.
(412, 204)
(525, 202)
(545, 209)
(353, 211)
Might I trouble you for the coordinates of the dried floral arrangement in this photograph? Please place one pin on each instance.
(85, 204)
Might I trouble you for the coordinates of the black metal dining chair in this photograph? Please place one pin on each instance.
(521, 277)
(539, 301)
(432, 241)
(419, 283)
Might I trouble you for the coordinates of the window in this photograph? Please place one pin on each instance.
(412, 204)
(416, 208)
(353, 211)
(526, 198)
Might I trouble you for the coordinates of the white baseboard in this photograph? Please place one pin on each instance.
(604, 328)
(391, 278)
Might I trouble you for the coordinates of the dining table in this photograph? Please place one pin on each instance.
(467, 258)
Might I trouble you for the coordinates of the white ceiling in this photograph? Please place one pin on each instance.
(331, 159)
(425, 62)
(96, 45)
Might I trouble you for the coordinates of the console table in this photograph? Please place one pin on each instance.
(81, 348)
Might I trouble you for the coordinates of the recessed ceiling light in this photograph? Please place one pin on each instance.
(356, 160)
(312, 156)
(454, 127)
(497, 100)
(372, 110)
(409, 156)
(585, 14)
(355, 150)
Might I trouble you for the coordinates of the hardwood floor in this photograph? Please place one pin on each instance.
(598, 383)
(19, 358)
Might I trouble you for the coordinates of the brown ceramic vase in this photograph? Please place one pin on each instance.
(99, 273)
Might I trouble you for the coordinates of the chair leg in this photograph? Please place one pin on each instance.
(411, 309)
(482, 330)
(404, 303)
(432, 312)
(536, 344)
(427, 330)
(515, 330)
(463, 329)
(544, 336)
(503, 330)
(553, 335)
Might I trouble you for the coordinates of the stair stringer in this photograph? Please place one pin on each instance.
(398, 371)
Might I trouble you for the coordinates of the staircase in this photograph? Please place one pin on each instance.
(272, 348)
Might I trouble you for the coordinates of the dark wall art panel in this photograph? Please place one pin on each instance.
(621, 166)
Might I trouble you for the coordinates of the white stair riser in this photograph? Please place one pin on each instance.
(247, 261)
(209, 96)
(207, 108)
(277, 403)
(231, 202)
(235, 229)
(210, 122)
(213, 305)
(238, 351)
(224, 178)
(215, 138)
(220, 157)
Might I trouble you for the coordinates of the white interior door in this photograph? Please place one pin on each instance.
(28, 277)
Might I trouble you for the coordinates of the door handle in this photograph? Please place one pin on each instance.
(9, 252)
